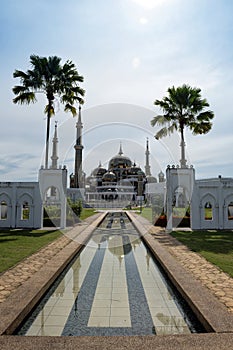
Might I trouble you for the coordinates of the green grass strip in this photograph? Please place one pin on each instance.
(214, 246)
(17, 244)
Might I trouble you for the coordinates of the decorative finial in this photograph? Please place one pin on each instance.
(120, 150)
(79, 115)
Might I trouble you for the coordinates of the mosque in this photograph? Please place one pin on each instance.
(122, 181)
(121, 184)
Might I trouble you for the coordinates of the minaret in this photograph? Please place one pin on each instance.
(54, 156)
(147, 166)
(78, 153)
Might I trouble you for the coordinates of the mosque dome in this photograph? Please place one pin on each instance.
(151, 179)
(119, 161)
(136, 170)
(161, 177)
(99, 171)
(109, 177)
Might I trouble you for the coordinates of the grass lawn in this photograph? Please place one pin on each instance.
(17, 244)
(86, 212)
(147, 213)
(215, 246)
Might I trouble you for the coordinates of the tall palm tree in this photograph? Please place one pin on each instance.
(183, 107)
(55, 80)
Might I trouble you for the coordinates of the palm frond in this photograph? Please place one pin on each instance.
(78, 90)
(70, 108)
(19, 89)
(161, 133)
(201, 128)
(20, 74)
(49, 110)
(25, 97)
(171, 128)
(205, 116)
(159, 120)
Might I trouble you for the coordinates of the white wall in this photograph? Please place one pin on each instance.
(219, 193)
(15, 195)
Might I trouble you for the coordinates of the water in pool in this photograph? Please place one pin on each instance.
(113, 287)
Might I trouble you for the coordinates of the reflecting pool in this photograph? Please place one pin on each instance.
(113, 287)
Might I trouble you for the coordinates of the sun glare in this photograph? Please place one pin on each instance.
(136, 62)
(143, 20)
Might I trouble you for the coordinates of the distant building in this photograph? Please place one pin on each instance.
(122, 181)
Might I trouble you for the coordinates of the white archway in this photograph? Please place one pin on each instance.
(209, 213)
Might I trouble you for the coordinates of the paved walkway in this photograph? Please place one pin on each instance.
(218, 282)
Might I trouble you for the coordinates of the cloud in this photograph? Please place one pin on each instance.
(15, 167)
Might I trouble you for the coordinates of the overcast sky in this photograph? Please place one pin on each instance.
(129, 52)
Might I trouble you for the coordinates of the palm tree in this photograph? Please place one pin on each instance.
(184, 107)
(55, 80)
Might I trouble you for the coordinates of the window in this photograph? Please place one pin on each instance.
(208, 211)
(25, 211)
(3, 210)
(52, 194)
(230, 211)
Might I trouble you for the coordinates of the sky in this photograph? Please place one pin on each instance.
(129, 53)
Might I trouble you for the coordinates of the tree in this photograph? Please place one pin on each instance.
(56, 81)
(183, 107)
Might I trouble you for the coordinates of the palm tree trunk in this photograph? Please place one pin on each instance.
(47, 136)
(183, 161)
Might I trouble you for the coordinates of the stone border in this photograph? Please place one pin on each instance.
(208, 341)
(213, 315)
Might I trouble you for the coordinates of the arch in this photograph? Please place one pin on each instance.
(5, 197)
(180, 197)
(5, 209)
(208, 211)
(25, 197)
(228, 211)
(209, 217)
(208, 197)
(228, 199)
(24, 211)
(51, 194)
